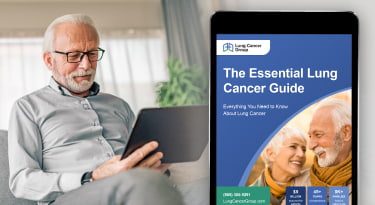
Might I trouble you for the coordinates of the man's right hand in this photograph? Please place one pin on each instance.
(136, 159)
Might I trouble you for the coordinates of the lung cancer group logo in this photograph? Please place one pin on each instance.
(243, 47)
(228, 47)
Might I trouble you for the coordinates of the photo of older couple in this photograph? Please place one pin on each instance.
(313, 149)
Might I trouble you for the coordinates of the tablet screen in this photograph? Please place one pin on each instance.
(285, 107)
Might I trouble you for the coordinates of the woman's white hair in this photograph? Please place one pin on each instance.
(278, 141)
(341, 111)
(49, 34)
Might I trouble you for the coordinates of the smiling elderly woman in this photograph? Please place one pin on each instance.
(284, 156)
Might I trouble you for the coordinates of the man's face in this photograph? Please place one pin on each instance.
(76, 77)
(324, 140)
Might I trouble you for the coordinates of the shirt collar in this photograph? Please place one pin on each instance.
(94, 90)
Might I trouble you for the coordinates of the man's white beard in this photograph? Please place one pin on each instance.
(331, 153)
(69, 82)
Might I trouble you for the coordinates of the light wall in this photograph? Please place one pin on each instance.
(107, 15)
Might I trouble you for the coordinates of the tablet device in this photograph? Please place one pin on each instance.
(181, 131)
(270, 142)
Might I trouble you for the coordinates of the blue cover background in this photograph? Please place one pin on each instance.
(239, 140)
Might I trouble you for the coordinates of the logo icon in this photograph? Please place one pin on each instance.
(228, 47)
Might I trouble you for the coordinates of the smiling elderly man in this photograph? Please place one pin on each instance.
(331, 140)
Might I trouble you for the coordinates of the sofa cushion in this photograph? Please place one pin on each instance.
(6, 197)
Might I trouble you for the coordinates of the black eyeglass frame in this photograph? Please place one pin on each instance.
(84, 53)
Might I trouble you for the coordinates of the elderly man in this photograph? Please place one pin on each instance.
(331, 140)
(65, 140)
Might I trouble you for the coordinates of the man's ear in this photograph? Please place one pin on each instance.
(47, 59)
(347, 131)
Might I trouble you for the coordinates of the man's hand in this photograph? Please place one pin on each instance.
(136, 159)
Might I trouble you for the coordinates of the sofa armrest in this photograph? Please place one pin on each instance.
(6, 197)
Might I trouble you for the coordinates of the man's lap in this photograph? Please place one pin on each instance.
(137, 186)
(196, 192)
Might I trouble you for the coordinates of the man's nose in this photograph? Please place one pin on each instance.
(313, 143)
(85, 63)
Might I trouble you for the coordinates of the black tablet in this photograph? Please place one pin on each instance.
(284, 108)
(181, 131)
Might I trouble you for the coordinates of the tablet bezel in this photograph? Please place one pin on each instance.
(163, 125)
(284, 22)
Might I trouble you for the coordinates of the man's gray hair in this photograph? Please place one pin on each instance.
(49, 35)
(341, 112)
(278, 141)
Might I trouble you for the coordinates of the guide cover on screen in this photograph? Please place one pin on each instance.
(284, 118)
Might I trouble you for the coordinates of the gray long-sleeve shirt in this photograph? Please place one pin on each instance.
(54, 137)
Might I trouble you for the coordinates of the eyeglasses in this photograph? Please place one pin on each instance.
(77, 56)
